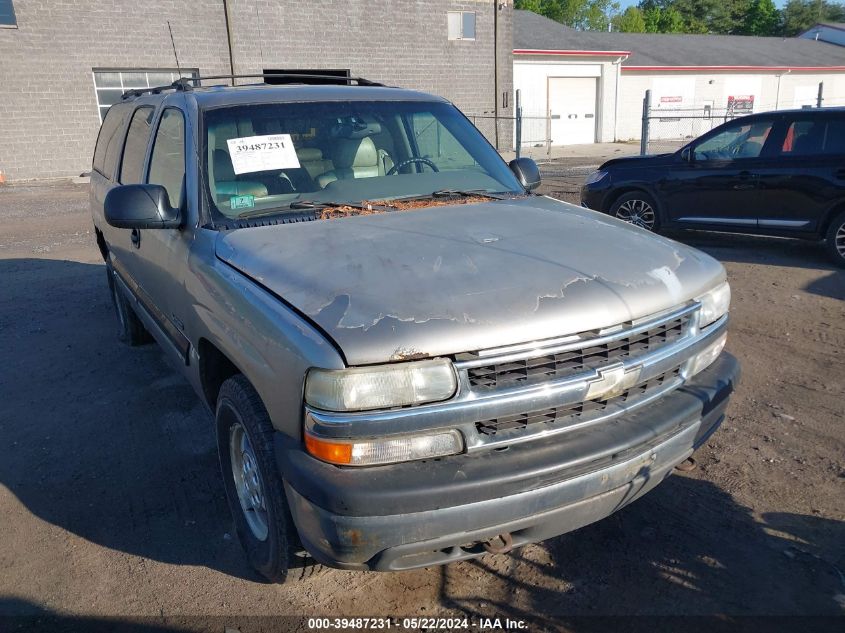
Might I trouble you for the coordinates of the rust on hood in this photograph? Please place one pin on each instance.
(385, 206)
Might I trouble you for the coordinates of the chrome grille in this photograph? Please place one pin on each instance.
(576, 412)
(551, 366)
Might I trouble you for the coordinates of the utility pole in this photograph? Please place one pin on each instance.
(229, 39)
(496, 72)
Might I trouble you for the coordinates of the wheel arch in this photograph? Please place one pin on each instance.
(215, 367)
(101, 243)
(829, 216)
(618, 193)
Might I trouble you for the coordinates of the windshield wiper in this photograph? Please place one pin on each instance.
(452, 193)
(296, 205)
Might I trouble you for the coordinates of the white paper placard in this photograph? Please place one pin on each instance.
(262, 153)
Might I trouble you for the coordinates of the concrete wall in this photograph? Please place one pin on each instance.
(48, 108)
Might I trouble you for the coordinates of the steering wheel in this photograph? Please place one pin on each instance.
(416, 159)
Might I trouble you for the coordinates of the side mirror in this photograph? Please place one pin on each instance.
(686, 154)
(141, 207)
(527, 172)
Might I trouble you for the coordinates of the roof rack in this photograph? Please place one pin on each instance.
(187, 83)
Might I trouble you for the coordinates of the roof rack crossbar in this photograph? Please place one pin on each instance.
(187, 83)
(360, 81)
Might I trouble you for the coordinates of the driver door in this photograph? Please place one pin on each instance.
(717, 183)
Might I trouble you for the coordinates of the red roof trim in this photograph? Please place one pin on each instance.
(540, 51)
(735, 68)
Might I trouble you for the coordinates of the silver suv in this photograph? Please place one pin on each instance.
(411, 359)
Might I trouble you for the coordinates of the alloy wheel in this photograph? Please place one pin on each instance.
(637, 212)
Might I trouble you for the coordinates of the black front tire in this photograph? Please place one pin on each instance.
(130, 329)
(835, 240)
(637, 208)
(278, 557)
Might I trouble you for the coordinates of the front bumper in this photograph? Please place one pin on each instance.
(595, 196)
(417, 514)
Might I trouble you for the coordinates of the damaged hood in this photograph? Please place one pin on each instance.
(461, 278)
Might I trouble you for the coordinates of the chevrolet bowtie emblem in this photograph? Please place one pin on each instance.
(613, 381)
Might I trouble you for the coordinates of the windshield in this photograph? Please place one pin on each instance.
(262, 159)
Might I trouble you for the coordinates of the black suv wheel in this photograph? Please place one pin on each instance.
(637, 208)
(835, 239)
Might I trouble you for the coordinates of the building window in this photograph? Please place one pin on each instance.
(461, 25)
(7, 14)
(109, 85)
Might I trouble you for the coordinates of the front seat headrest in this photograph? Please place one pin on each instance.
(351, 153)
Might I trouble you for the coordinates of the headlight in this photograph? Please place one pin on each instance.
(596, 176)
(389, 450)
(705, 357)
(714, 304)
(380, 386)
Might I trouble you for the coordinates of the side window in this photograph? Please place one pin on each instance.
(834, 142)
(167, 165)
(743, 140)
(107, 150)
(804, 138)
(437, 143)
(132, 167)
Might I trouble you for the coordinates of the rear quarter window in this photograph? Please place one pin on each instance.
(107, 150)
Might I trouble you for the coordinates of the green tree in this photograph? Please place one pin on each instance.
(763, 18)
(588, 15)
(631, 20)
(799, 15)
(696, 16)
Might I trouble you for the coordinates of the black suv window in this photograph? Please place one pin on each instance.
(108, 142)
(167, 165)
(132, 167)
(814, 137)
(740, 140)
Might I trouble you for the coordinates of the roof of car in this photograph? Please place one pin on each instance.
(535, 32)
(224, 95)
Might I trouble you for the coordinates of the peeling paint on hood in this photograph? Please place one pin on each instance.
(445, 280)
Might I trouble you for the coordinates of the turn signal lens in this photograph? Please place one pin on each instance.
(705, 358)
(372, 452)
(332, 452)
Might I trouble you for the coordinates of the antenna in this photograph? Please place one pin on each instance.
(173, 42)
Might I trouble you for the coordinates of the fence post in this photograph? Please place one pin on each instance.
(820, 97)
(518, 122)
(645, 130)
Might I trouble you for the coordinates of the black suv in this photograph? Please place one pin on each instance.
(776, 173)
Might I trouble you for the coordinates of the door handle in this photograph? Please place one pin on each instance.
(135, 236)
(747, 181)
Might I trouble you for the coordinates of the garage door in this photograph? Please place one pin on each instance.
(572, 107)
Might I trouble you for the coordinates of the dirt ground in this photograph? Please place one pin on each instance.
(111, 502)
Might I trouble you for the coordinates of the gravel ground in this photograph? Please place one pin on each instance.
(111, 501)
